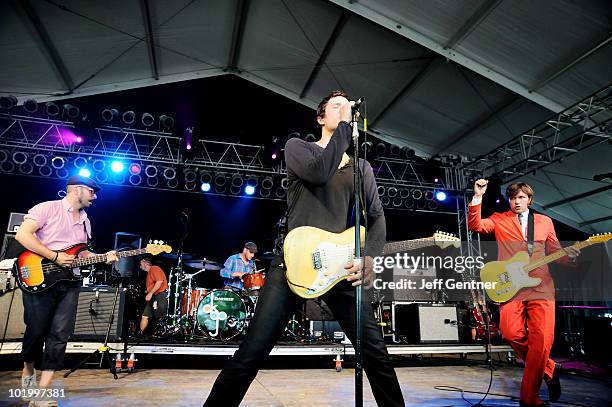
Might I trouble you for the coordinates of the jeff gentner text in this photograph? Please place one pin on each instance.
(437, 284)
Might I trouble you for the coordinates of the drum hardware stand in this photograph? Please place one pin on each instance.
(103, 350)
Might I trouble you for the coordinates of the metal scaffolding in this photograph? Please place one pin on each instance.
(577, 128)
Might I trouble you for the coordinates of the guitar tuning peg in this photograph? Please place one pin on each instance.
(150, 241)
(155, 241)
(161, 242)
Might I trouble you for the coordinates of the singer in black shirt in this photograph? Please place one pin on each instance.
(320, 194)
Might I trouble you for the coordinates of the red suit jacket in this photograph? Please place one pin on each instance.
(510, 240)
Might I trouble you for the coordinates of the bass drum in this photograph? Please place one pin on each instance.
(222, 315)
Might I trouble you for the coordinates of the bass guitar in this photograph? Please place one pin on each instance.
(35, 274)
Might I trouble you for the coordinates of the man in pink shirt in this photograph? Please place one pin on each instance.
(50, 315)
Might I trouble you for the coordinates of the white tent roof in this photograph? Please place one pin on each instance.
(439, 75)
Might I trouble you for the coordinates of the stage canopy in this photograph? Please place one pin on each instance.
(440, 76)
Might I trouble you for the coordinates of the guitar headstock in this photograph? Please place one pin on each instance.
(600, 238)
(158, 247)
(444, 240)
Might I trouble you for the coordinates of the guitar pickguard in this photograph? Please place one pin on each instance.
(329, 260)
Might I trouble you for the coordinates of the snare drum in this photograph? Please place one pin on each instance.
(222, 314)
(254, 281)
(196, 296)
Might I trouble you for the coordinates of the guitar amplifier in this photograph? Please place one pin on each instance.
(11, 316)
(93, 312)
(425, 323)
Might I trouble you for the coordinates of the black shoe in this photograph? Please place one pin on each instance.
(554, 384)
(523, 404)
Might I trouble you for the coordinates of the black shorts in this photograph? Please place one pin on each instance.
(157, 307)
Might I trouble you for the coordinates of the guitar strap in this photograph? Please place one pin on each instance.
(530, 232)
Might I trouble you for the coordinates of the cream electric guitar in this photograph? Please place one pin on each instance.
(315, 258)
(511, 276)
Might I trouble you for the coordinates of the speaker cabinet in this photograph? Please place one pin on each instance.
(11, 316)
(93, 312)
(425, 323)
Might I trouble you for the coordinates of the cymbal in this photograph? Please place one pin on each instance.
(203, 264)
(267, 255)
(174, 256)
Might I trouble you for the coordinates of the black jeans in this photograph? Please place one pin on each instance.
(49, 317)
(274, 308)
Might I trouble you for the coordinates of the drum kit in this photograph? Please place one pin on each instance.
(196, 310)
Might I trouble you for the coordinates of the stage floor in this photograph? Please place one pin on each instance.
(304, 387)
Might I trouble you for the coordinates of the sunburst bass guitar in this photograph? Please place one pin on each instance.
(315, 258)
(36, 274)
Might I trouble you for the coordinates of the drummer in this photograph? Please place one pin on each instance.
(238, 265)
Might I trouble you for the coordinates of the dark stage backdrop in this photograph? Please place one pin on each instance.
(218, 225)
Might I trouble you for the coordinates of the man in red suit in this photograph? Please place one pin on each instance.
(532, 308)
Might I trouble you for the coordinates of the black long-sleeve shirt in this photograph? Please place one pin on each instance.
(321, 195)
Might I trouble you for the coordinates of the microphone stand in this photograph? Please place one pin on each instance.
(358, 289)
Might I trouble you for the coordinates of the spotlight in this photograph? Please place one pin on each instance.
(281, 192)
(118, 178)
(432, 205)
(45, 171)
(4, 155)
(30, 106)
(249, 190)
(267, 183)
(190, 186)
(57, 162)
(382, 190)
(147, 119)
(429, 195)
(404, 193)
(40, 160)
(252, 181)
(237, 180)
(285, 183)
(417, 194)
(264, 193)
(394, 150)
(397, 202)
(408, 152)
(51, 109)
(190, 176)
(169, 173)
(367, 147)
(71, 111)
(78, 139)
(205, 177)
(381, 148)
(151, 171)
(84, 172)
(385, 200)
(99, 165)
(8, 102)
(62, 173)
(135, 179)
(392, 192)
(409, 203)
(20, 157)
(172, 183)
(80, 162)
(166, 122)
(135, 169)
(102, 177)
(152, 182)
(108, 115)
(128, 117)
(441, 196)
(117, 166)
(234, 190)
(220, 179)
(274, 155)
(205, 187)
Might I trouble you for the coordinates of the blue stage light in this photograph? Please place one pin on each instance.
(84, 172)
(205, 187)
(441, 196)
(249, 190)
(117, 166)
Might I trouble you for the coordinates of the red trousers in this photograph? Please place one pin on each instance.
(532, 344)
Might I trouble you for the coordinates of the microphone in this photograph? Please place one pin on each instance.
(358, 103)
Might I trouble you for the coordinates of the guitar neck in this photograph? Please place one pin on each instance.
(555, 256)
(102, 258)
(405, 245)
